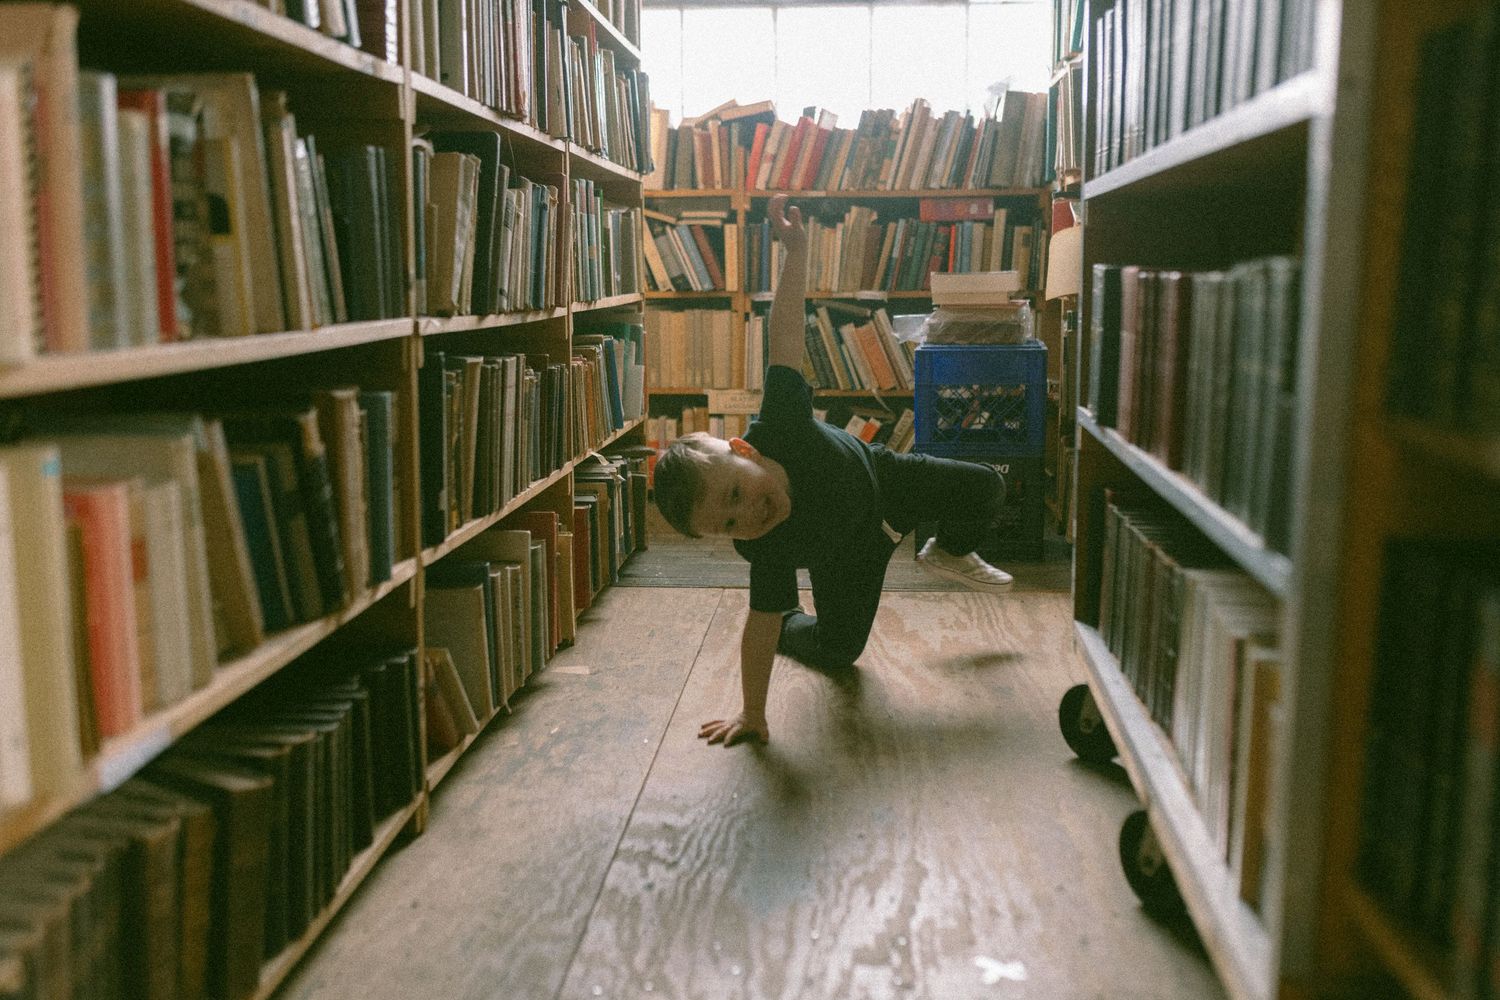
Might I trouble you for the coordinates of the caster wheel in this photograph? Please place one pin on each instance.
(1146, 869)
(1083, 727)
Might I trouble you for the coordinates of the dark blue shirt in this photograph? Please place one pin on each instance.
(835, 497)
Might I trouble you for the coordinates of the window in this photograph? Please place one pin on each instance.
(845, 58)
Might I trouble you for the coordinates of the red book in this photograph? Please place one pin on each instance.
(153, 103)
(583, 585)
(783, 179)
(757, 149)
(815, 160)
(99, 511)
(543, 527)
(710, 258)
(955, 209)
(952, 248)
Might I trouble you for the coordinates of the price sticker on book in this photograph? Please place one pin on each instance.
(734, 401)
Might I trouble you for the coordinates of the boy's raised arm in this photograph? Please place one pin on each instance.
(788, 308)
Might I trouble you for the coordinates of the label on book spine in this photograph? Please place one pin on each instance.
(734, 401)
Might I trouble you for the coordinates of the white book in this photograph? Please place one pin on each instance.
(166, 554)
(103, 220)
(20, 282)
(143, 321)
(15, 739)
(34, 496)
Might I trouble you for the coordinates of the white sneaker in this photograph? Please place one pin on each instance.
(970, 570)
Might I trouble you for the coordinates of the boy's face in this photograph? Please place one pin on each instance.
(743, 495)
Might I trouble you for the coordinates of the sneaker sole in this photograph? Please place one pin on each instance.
(968, 582)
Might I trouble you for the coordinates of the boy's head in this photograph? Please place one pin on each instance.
(707, 486)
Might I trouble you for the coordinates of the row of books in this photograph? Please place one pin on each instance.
(749, 148)
(1200, 370)
(197, 207)
(1445, 353)
(692, 252)
(605, 245)
(610, 389)
(1161, 67)
(370, 25)
(860, 252)
(492, 618)
(143, 549)
(189, 877)
(1427, 842)
(541, 63)
(488, 238)
(707, 348)
(1198, 641)
(861, 352)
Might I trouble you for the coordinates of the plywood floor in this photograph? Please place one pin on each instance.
(919, 832)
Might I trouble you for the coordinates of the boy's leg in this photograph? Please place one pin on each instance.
(964, 498)
(845, 599)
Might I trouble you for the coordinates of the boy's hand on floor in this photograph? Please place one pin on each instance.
(735, 730)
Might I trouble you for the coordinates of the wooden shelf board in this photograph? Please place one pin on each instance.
(610, 167)
(429, 326)
(120, 757)
(438, 770)
(614, 37)
(1020, 192)
(276, 970)
(867, 295)
(1242, 135)
(612, 302)
(1272, 569)
(59, 372)
(1473, 453)
(1404, 958)
(1234, 936)
(694, 193)
(439, 100)
(481, 524)
(688, 296)
(692, 390)
(241, 26)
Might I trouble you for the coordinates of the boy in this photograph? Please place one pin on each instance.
(796, 492)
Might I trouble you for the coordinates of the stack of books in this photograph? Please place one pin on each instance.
(694, 250)
(859, 350)
(605, 240)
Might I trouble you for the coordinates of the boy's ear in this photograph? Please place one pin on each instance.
(742, 448)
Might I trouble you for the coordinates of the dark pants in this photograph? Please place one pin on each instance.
(964, 499)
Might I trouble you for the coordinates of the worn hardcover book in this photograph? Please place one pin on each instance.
(455, 618)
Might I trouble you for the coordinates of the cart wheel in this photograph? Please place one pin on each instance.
(1083, 727)
(1146, 869)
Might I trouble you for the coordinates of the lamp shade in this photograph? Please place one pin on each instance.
(1065, 262)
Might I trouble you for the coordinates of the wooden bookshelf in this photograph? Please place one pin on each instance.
(689, 296)
(1272, 125)
(1282, 173)
(1233, 934)
(613, 36)
(1475, 454)
(1411, 964)
(429, 326)
(61, 372)
(275, 971)
(1272, 569)
(611, 302)
(688, 390)
(385, 104)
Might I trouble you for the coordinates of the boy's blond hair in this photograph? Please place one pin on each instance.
(678, 480)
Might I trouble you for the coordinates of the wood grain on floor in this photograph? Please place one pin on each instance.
(915, 830)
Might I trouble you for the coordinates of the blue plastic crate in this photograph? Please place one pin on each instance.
(981, 399)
